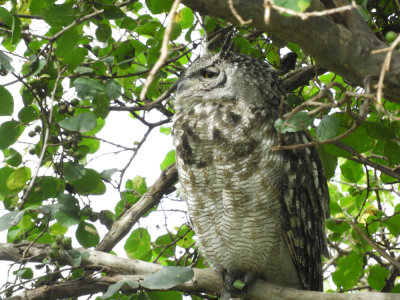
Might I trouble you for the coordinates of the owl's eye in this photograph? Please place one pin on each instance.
(208, 74)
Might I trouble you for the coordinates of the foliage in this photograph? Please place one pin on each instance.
(93, 58)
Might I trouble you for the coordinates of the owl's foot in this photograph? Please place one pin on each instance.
(232, 286)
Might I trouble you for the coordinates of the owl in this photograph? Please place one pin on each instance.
(257, 212)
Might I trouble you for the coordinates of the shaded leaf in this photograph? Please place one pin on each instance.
(112, 289)
(18, 178)
(67, 213)
(327, 128)
(352, 171)
(87, 88)
(82, 123)
(87, 235)
(297, 122)
(25, 273)
(59, 14)
(168, 277)
(377, 277)
(9, 133)
(349, 269)
(6, 102)
(28, 114)
(137, 245)
(10, 219)
(89, 183)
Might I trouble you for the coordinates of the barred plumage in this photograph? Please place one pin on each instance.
(256, 212)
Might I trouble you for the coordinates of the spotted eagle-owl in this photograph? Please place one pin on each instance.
(257, 212)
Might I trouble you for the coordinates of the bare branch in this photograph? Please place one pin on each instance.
(122, 227)
(164, 50)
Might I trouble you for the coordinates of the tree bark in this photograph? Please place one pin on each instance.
(344, 49)
(118, 268)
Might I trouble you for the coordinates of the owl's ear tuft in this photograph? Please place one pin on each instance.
(227, 47)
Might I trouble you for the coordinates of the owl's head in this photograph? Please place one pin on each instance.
(228, 76)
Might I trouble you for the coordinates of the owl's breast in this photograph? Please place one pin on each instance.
(232, 183)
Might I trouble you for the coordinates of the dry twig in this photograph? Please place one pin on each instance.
(164, 50)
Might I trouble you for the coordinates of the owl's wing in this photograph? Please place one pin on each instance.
(306, 205)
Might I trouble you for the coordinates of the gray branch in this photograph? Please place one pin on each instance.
(204, 280)
(344, 49)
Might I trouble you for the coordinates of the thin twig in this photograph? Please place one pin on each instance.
(164, 50)
(268, 4)
(373, 244)
(45, 140)
(384, 69)
(236, 14)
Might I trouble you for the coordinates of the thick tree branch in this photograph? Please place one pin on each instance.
(204, 280)
(122, 227)
(343, 49)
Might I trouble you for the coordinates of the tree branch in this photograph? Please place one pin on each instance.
(204, 280)
(122, 227)
(343, 50)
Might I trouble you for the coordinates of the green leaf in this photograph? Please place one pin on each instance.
(161, 242)
(168, 277)
(352, 171)
(89, 183)
(168, 160)
(5, 172)
(138, 184)
(393, 222)
(67, 213)
(392, 152)
(377, 130)
(37, 7)
(9, 133)
(101, 105)
(6, 17)
(114, 288)
(75, 257)
(18, 178)
(13, 158)
(377, 277)
(10, 219)
(359, 140)
(149, 28)
(349, 269)
(113, 90)
(16, 30)
(60, 14)
(329, 161)
(113, 13)
(337, 226)
(6, 102)
(327, 128)
(137, 245)
(87, 235)
(82, 123)
(159, 6)
(73, 171)
(67, 41)
(103, 32)
(106, 174)
(176, 31)
(87, 88)
(165, 130)
(187, 17)
(28, 114)
(5, 63)
(296, 5)
(25, 273)
(297, 122)
(56, 228)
